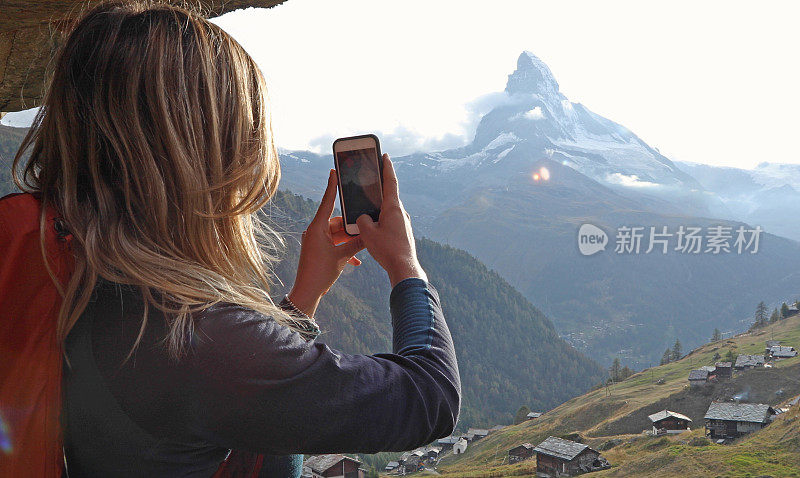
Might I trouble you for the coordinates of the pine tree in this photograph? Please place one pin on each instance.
(716, 356)
(522, 415)
(615, 370)
(776, 316)
(730, 356)
(625, 372)
(761, 314)
(665, 359)
(677, 350)
(716, 336)
(784, 311)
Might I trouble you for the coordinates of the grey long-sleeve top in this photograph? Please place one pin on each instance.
(249, 383)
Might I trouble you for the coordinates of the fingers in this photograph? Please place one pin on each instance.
(365, 224)
(354, 261)
(391, 194)
(336, 224)
(328, 199)
(349, 249)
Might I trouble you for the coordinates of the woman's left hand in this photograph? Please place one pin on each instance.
(325, 250)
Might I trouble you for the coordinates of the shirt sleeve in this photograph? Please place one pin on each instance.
(262, 387)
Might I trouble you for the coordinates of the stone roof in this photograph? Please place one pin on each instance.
(527, 446)
(392, 465)
(321, 463)
(658, 416)
(782, 351)
(749, 361)
(534, 415)
(31, 31)
(739, 412)
(698, 375)
(560, 448)
(723, 365)
(478, 431)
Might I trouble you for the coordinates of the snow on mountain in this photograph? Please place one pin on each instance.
(534, 111)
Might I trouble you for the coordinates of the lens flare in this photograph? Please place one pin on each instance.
(5, 439)
(544, 173)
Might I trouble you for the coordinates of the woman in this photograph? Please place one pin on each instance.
(155, 146)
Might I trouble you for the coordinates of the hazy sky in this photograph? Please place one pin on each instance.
(712, 82)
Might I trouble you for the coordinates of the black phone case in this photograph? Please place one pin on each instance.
(339, 179)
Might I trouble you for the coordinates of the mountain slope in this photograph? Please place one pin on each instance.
(767, 195)
(491, 198)
(509, 352)
(612, 419)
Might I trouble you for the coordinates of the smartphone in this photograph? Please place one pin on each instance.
(359, 168)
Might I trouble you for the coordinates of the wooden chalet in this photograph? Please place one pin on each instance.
(333, 466)
(782, 351)
(533, 415)
(698, 377)
(476, 434)
(557, 457)
(447, 443)
(724, 370)
(732, 420)
(391, 466)
(746, 362)
(520, 452)
(667, 421)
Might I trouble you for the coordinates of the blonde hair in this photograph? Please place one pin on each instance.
(155, 144)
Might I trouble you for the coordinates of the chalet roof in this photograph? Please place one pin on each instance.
(782, 351)
(749, 361)
(739, 412)
(527, 446)
(435, 449)
(418, 452)
(698, 374)
(478, 431)
(560, 448)
(723, 364)
(447, 440)
(392, 464)
(656, 417)
(321, 463)
(772, 343)
(534, 415)
(708, 368)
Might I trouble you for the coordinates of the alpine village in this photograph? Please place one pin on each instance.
(712, 412)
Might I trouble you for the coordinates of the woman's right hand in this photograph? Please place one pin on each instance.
(390, 241)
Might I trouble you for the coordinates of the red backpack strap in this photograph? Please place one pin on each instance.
(30, 378)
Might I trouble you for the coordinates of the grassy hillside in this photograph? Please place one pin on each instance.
(617, 415)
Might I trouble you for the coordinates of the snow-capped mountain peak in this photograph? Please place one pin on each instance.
(532, 76)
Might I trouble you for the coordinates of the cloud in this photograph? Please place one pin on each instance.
(632, 181)
(399, 142)
(533, 115)
(404, 140)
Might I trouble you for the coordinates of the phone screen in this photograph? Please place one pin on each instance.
(360, 183)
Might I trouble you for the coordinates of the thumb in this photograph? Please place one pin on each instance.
(351, 247)
(365, 225)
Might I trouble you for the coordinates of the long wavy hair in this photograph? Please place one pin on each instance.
(155, 144)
